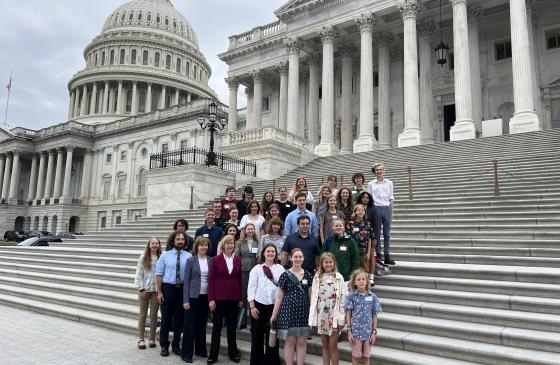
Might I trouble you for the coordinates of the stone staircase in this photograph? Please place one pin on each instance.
(477, 279)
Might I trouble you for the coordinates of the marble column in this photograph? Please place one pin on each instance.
(32, 179)
(257, 76)
(313, 61)
(14, 182)
(294, 47)
(2, 164)
(84, 106)
(474, 15)
(58, 173)
(67, 172)
(49, 179)
(233, 87)
(464, 127)
(71, 106)
(162, 98)
(250, 116)
(120, 98)
(366, 140)
(93, 104)
(411, 135)
(7, 176)
(134, 106)
(111, 109)
(282, 69)
(533, 46)
(40, 177)
(76, 102)
(177, 94)
(346, 137)
(86, 174)
(149, 98)
(327, 147)
(114, 185)
(524, 118)
(105, 98)
(383, 41)
(426, 59)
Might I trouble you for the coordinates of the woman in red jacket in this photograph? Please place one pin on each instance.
(224, 298)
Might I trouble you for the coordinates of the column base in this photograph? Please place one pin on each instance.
(462, 130)
(410, 137)
(325, 149)
(365, 144)
(345, 151)
(522, 122)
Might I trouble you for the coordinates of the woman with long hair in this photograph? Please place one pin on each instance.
(345, 202)
(273, 212)
(275, 235)
(252, 217)
(320, 204)
(325, 219)
(145, 282)
(247, 249)
(300, 185)
(233, 216)
(267, 201)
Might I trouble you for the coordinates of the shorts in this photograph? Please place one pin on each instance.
(361, 348)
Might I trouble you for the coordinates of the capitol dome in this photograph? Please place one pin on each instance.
(146, 58)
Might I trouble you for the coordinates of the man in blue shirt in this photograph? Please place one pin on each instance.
(301, 210)
(308, 244)
(170, 272)
(211, 231)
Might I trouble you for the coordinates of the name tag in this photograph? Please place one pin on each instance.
(369, 299)
(287, 205)
(356, 229)
(334, 216)
(304, 282)
(329, 280)
(254, 249)
(354, 192)
(205, 235)
(343, 248)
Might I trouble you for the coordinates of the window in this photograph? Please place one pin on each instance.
(552, 38)
(375, 79)
(112, 57)
(118, 219)
(194, 71)
(108, 158)
(555, 110)
(164, 148)
(168, 62)
(149, 17)
(121, 57)
(184, 144)
(158, 19)
(145, 58)
(178, 66)
(140, 16)
(187, 68)
(144, 152)
(123, 155)
(266, 104)
(128, 106)
(133, 57)
(103, 222)
(131, 16)
(156, 59)
(96, 59)
(106, 187)
(503, 50)
(141, 183)
(103, 58)
(121, 186)
(166, 21)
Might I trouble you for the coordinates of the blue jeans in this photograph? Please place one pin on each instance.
(383, 217)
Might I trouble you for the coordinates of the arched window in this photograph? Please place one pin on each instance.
(149, 17)
(131, 16)
(121, 57)
(194, 71)
(166, 21)
(178, 65)
(112, 57)
(158, 19)
(106, 181)
(133, 57)
(141, 190)
(103, 58)
(156, 59)
(121, 185)
(140, 16)
(188, 69)
(128, 107)
(96, 59)
(168, 62)
(145, 58)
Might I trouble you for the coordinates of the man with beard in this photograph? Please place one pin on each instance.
(170, 271)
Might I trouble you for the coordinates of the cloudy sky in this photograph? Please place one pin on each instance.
(42, 42)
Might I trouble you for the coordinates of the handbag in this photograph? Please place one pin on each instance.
(268, 274)
(272, 338)
(242, 312)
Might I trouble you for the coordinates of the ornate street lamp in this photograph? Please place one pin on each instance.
(213, 124)
(441, 49)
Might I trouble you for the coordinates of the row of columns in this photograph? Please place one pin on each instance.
(111, 93)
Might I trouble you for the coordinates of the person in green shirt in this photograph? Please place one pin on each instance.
(344, 249)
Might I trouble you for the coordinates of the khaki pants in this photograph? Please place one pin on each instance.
(144, 300)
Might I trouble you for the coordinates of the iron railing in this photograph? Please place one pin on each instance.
(199, 156)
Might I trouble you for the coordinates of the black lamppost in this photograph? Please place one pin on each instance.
(214, 123)
(441, 49)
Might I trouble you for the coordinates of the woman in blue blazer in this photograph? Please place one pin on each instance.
(195, 300)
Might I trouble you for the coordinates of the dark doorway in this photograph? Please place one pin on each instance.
(18, 224)
(448, 120)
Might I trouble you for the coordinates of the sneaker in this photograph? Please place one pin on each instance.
(389, 260)
(385, 270)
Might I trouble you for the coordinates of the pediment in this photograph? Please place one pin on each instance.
(291, 5)
(5, 134)
(295, 9)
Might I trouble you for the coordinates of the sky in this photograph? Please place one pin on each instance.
(42, 43)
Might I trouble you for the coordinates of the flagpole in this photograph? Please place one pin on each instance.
(8, 100)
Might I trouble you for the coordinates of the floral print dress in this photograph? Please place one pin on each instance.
(326, 305)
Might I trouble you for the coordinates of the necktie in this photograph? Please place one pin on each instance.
(178, 270)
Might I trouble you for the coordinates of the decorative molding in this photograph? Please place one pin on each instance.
(408, 8)
(232, 82)
(293, 45)
(383, 39)
(474, 13)
(425, 28)
(249, 91)
(314, 59)
(282, 68)
(295, 10)
(348, 50)
(328, 34)
(257, 75)
(365, 22)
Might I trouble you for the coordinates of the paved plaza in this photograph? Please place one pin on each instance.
(29, 338)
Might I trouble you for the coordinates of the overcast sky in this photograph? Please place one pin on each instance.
(42, 42)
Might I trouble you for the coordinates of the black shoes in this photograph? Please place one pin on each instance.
(164, 351)
(177, 351)
(211, 361)
(389, 260)
(236, 359)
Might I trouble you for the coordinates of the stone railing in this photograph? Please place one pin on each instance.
(257, 34)
(71, 126)
(242, 114)
(23, 132)
(266, 133)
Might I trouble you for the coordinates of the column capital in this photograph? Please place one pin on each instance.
(293, 45)
(458, 2)
(474, 13)
(383, 39)
(115, 147)
(60, 150)
(70, 148)
(408, 8)
(50, 152)
(348, 50)
(233, 82)
(257, 75)
(249, 92)
(365, 22)
(425, 28)
(328, 34)
(314, 58)
(282, 68)
(131, 144)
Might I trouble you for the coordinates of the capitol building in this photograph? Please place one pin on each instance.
(328, 77)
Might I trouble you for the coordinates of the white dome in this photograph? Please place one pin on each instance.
(158, 15)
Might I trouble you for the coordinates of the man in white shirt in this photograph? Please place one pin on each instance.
(381, 190)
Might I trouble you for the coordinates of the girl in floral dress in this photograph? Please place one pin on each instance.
(360, 229)
(327, 313)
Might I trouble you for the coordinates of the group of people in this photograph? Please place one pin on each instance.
(290, 266)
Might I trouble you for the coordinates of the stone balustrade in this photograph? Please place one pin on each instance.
(266, 133)
(257, 34)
